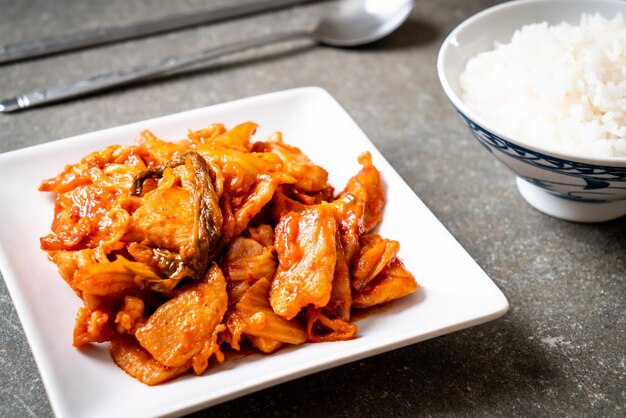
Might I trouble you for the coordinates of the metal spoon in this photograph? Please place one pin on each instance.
(350, 23)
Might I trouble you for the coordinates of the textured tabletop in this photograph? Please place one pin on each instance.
(561, 348)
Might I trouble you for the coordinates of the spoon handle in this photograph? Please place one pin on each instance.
(141, 72)
(93, 37)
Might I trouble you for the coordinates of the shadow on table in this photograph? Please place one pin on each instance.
(413, 33)
(614, 242)
(613, 231)
(477, 368)
(595, 244)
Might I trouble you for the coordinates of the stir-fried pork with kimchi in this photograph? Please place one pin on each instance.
(180, 250)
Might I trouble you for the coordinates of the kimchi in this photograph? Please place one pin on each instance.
(181, 250)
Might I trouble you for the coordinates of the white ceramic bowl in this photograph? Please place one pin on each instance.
(565, 185)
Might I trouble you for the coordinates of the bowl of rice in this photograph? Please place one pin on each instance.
(541, 84)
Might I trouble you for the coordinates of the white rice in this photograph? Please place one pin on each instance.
(562, 86)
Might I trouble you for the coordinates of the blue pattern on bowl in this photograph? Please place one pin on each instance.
(568, 179)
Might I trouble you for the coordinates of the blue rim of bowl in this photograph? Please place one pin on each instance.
(536, 158)
(469, 114)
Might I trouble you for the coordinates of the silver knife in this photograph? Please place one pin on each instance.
(15, 52)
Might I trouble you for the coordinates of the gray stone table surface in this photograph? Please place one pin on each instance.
(560, 349)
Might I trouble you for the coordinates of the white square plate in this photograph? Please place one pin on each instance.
(454, 294)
